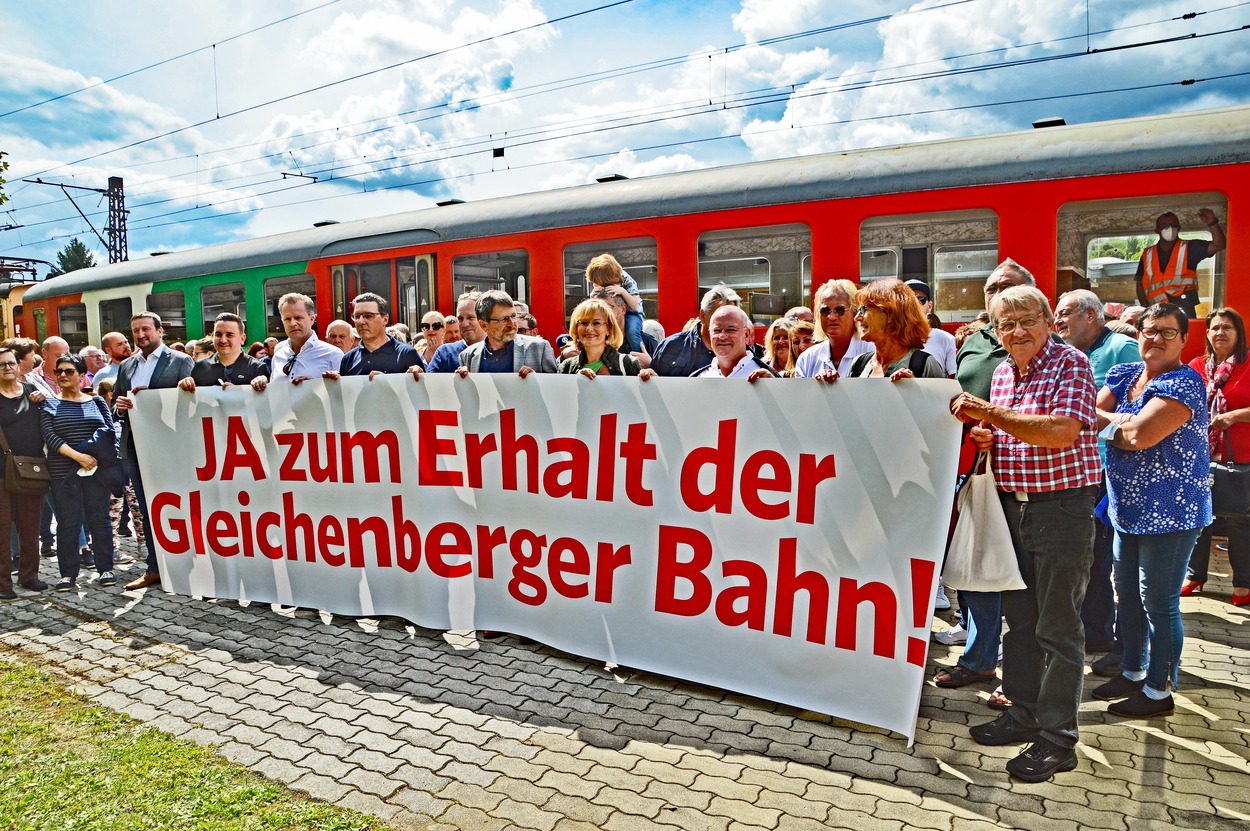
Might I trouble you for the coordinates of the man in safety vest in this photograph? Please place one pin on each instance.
(1169, 269)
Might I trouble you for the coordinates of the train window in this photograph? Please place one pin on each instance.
(1101, 242)
(214, 300)
(953, 251)
(764, 265)
(115, 315)
(357, 278)
(72, 324)
(506, 270)
(278, 286)
(637, 257)
(415, 280)
(172, 308)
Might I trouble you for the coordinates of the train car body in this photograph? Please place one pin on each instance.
(1056, 200)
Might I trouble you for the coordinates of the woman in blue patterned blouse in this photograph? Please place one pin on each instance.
(1158, 459)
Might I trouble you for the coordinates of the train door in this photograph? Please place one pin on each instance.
(352, 279)
(415, 281)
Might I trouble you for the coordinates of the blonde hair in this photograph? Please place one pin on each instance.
(586, 310)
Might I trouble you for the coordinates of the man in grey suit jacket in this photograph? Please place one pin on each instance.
(503, 350)
(154, 366)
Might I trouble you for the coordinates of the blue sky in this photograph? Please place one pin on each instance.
(571, 91)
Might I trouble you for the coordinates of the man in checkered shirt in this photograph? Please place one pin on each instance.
(1040, 427)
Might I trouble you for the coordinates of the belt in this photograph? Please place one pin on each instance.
(1046, 496)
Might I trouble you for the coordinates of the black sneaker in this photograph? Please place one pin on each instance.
(1000, 731)
(47, 549)
(65, 584)
(1108, 666)
(35, 585)
(85, 557)
(1041, 761)
(107, 578)
(8, 594)
(1141, 705)
(1118, 687)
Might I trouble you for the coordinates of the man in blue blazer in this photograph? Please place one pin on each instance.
(503, 350)
(154, 366)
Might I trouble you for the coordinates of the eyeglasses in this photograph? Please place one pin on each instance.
(728, 330)
(434, 326)
(863, 310)
(1166, 334)
(8, 364)
(825, 311)
(366, 316)
(70, 371)
(503, 319)
(1006, 327)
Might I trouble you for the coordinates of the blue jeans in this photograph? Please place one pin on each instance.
(1044, 649)
(633, 332)
(1098, 610)
(132, 472)
(1149, 572)
(982, 614)
(82, 501)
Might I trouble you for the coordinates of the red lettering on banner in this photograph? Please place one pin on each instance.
(884, 615)
(430, 448)
(330, 533)
(526, 548)
(245, 525)
(568, 558)
(511, 448)
(175, 540)
(445, 540)
(292, 522)
(475, 449)
(789, 583)
(670, 570)
(571, 476)
(754, 592)
(752, 483)
(239, 453)
(636, 451)
(609, 559)
(222, 534)
(288, 469)
(605, 485)
(264, 522)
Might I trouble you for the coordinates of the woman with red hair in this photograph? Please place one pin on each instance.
(890, 318)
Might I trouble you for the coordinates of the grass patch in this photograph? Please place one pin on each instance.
(66, 764)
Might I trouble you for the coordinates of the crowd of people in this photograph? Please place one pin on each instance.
(1099, 434)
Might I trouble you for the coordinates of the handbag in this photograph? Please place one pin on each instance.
(1230, 485)
(24, 474)
(981, 556)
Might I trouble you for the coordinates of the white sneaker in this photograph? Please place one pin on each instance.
(955, 636)
(107, 578)
(941, 602)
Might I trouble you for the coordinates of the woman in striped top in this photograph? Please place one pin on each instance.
(69, 425)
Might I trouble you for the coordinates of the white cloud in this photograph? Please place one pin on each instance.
(625, 163)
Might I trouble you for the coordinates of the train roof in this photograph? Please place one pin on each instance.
(1180, 140)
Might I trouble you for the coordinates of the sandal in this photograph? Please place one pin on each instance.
(998, 701)
(959, 676)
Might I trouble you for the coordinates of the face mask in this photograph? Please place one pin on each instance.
(1168, 234)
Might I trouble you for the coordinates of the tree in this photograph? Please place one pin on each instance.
(72, 257)
(3, 167)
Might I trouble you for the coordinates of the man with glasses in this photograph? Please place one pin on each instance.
(378, 353)
(732, 334)
(502, 350)
(1039, 426)
(833, 356)
(154, 366)
(681, 354)
(447, 358)
(302, 355)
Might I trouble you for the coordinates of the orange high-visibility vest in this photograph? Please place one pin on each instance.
(1177, 279)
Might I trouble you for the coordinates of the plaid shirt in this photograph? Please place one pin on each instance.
(1057, 382)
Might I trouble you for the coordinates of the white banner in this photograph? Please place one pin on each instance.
(780, 539)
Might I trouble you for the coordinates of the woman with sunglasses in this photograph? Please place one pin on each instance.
(19, 419)
(890, 318)
(1224, 370)
(1154, 418)
(432, 331)
(79, 434)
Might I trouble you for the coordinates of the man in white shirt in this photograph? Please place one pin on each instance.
(941, 343)
(732, 334)
(302, 355)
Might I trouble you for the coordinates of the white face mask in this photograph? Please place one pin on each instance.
(1168, 234)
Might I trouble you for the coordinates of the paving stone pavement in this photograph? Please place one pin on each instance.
(432, 730)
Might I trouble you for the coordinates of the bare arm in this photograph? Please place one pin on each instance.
(1160, 418)
(1042, 430)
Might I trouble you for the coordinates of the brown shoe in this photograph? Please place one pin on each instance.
(148, 578)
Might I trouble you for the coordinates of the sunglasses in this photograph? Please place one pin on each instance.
(70, 371)
(825, 311)
(434, 326)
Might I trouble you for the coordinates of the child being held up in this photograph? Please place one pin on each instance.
(606, 273)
